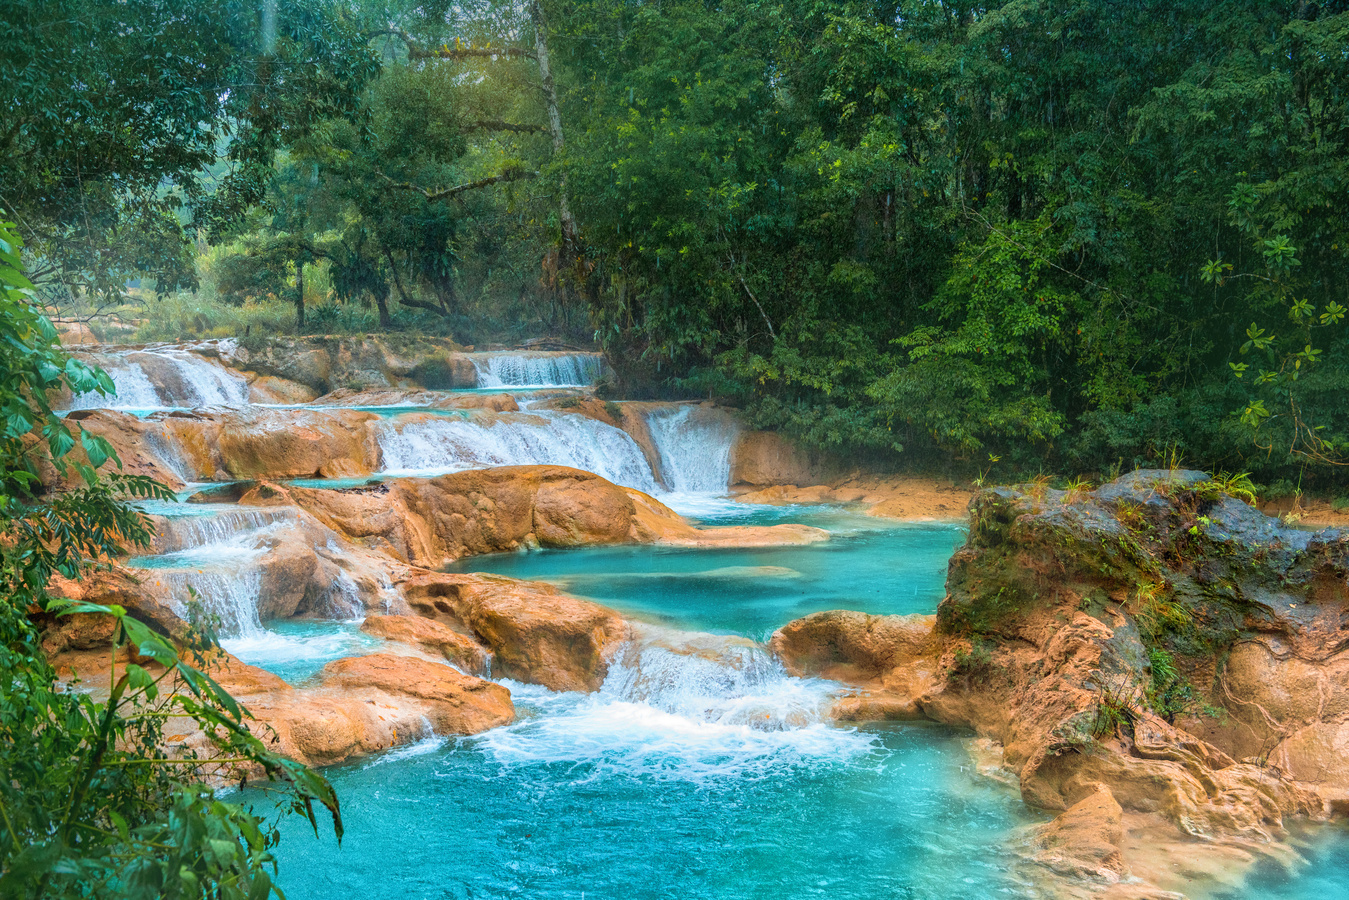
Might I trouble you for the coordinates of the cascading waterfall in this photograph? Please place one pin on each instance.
(216, 526)
(166, 377)
(229, 597)
(538, 370)
(694, 444)
(686, 706)
(450, 444)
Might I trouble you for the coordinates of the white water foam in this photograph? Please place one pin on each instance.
(188, 528)
(694, 443)
(442, 444)
(682, 707)
(531, 370)
(167, 378)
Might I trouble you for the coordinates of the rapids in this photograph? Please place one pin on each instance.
(700, 768)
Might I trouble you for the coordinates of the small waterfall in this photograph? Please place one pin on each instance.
(713, 679)
(181, 533)
(694, 443)
(686, 707)
(165, 377)
(538, 369)
(230, 597)
(443, 444)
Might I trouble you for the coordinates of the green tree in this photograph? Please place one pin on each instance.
(93, 802)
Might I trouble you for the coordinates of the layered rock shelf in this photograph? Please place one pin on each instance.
(1153, 656)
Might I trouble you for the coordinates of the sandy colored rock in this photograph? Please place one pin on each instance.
(268, 443)
(429, 399)
(1085, 839)
(430, 522)
(454, 702)
(767, 458)
(911, 498)
(432, 636)
(536, 633)
(893, 660)
(270, 389)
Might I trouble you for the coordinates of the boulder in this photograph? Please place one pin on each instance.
(536, 633)
(432, 636)
(894, 660)
(430, 522)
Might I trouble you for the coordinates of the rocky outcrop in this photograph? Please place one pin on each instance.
(433, 637)
(894, 497)
(1155, 639)
(419, 398)
(430, 522)
(362, 362)
(536, 633)
(895, 659)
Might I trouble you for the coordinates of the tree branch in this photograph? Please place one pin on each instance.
(494, 125)
(447, 51)
(447, 193)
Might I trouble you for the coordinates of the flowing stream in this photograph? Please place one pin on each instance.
(537, 370)
(701, 768)
(166, 378)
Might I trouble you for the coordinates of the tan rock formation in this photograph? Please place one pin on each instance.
(429, 399)
(536, 633)
(432, 636)
(893, 660)
(430, 522)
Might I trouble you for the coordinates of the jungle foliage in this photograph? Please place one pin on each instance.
(1066, 235)
(96, 799)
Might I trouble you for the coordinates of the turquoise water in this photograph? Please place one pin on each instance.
(588, 798)
(1323, 874)
(297, 649)
(865, 566)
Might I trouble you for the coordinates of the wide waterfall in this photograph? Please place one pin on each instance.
(537, 369)
(165, 377)
(417, 443)
(694, 443)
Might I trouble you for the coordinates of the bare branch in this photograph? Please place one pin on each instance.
(447, 193)
(457, 50)
(493, 125)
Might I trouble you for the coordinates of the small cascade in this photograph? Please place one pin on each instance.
(538, 369)
(226, 594)
(342, 598)
(165, 377)
(216, 526)
(714, 679)
(694, 443)
(444, 444)
(683, 706)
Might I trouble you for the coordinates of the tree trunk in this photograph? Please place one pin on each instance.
(299, 294)
(570, 243)
(382, 306)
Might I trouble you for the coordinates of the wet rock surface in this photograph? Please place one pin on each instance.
(1156, 642)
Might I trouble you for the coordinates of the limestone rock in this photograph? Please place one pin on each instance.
(432, 636)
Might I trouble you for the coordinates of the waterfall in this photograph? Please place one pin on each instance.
(682, 706)
(714, 679)
(230, 597)
(166, 377)
(694, 444)
(208, 525)
(537, 369)
(419, 443)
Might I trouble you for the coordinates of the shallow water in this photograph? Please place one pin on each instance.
(296, 650)
(590, 797)
(867, 567)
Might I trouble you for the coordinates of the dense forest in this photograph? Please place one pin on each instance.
(1070, 235)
